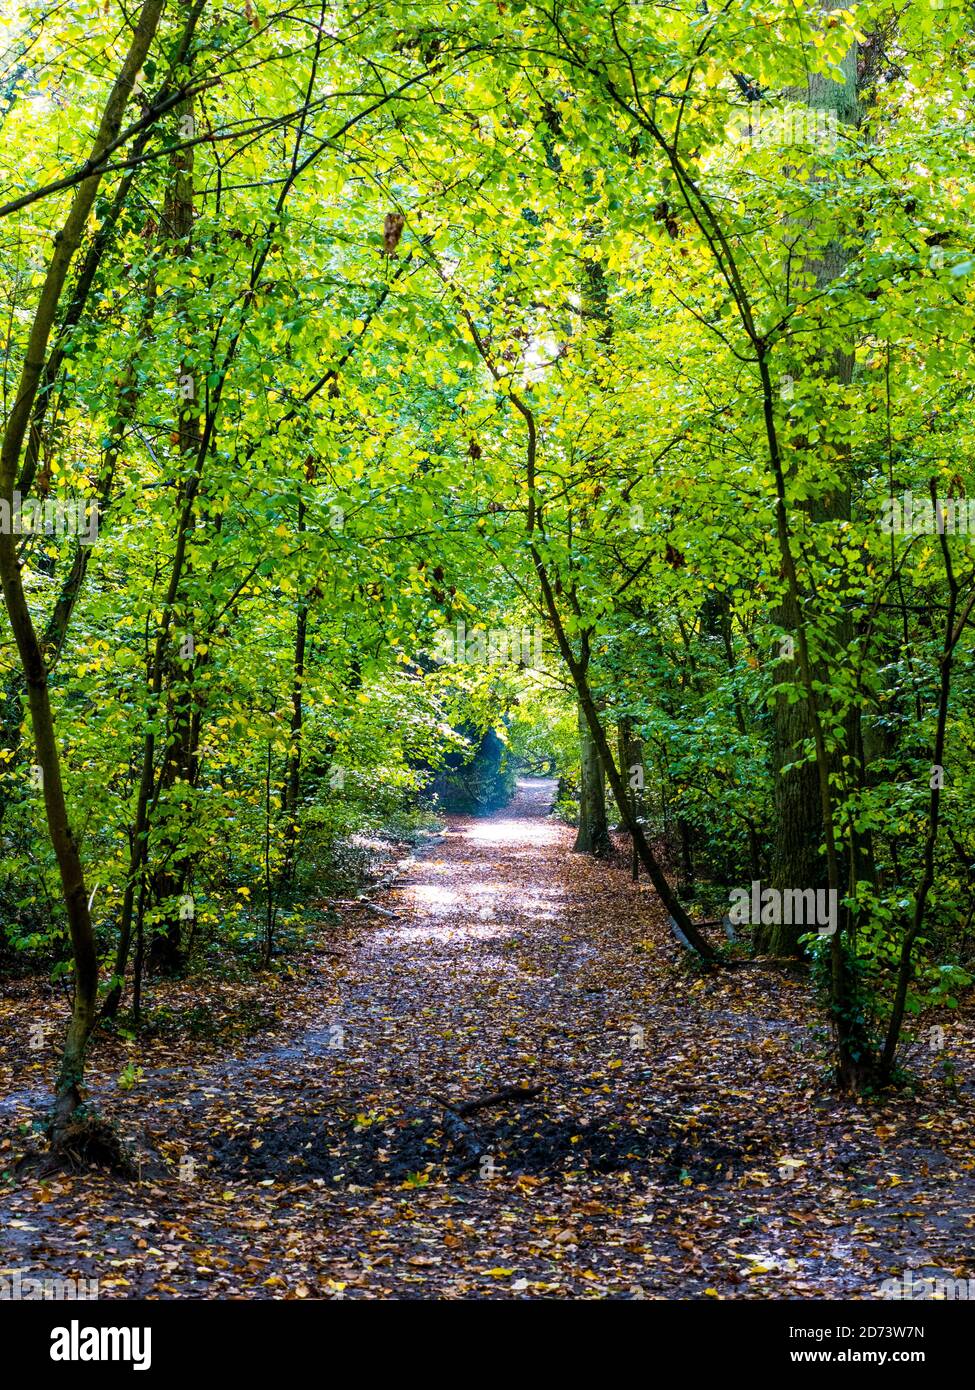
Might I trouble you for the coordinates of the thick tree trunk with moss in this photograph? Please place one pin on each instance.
(593, 835)
(630, 749)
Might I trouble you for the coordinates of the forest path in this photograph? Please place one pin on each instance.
(681, 1145)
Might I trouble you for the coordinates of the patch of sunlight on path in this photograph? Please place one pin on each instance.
(515, 834)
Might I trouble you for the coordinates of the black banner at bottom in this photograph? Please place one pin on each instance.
(167, 1338)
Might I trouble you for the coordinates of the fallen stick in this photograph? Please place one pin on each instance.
(508, 1093)
(381, 911)
(461, 1135)
(362, 905)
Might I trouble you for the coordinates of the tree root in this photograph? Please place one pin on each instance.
(80, 1138)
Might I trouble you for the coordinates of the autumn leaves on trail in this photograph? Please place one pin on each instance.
(676, 1137)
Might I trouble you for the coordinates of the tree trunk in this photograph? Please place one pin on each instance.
(292, 782)
(593, 835)
(179, 763)
(796, 858)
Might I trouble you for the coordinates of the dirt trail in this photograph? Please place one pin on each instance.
(682, 1144)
